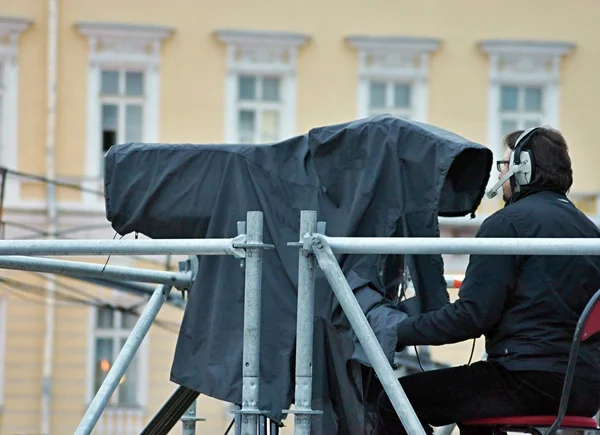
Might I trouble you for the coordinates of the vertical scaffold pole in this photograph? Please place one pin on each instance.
(189, 420)
(132, 344)
(252, 312)
(304, 328)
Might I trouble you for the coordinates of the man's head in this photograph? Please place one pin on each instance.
(552, 164)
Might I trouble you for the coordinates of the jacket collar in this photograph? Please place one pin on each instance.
(529, 190)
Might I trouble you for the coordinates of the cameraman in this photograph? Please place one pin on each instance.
(527, 307)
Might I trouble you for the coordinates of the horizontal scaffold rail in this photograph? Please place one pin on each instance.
(459, 246)
(77, 268)
(124, 247)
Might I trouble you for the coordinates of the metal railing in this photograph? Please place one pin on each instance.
(315, 248)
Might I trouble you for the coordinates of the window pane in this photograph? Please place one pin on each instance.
(401, 95)
(110, 82)
(533, 99)
(247, 126)
(134, 83)
(105, 318)
(129, 320)
(377, 95)
(269, 131)
(508, 126)
(270, 91)
(128, 383)
(110, 117)
(104, 360)
(247, 88)
(133, 123)
(509, 97)
(109, 125)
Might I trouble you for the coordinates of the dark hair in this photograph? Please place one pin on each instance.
(550, 157)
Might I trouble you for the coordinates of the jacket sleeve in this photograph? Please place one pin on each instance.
(483, 293)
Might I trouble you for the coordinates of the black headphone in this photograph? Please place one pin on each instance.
(521, 164)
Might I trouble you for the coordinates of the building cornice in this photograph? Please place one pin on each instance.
(525, 47)
(124, 31)
(262, 38)
(393, 43)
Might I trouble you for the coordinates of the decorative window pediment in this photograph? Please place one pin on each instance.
(126, 43)
(525, 61)
(398, 56)
(256, 50)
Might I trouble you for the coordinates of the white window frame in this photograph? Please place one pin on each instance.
(117, 46)
(522, 63)
(122, 101)
(401, 112)
(3, 332)
(523, 117)
(143, 354)
(259, 53)
(394, 59)
(11, 28)
(258, 107)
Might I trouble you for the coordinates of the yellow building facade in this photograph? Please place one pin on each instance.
(77, 76)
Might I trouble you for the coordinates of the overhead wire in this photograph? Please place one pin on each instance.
(65, 232)
(43, 179)
(32, 290)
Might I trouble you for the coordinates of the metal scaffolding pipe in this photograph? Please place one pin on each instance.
(116, 372)
(304, 328)
(77, 268)
(252, 313)
(366, 336)
(119, 247)
(462, 245)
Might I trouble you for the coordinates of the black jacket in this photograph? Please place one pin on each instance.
(526, 306)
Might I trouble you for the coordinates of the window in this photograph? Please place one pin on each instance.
(520, 108)
(122, 101)
(10, 31)
(390, 97)
(112, 327)
(260, 94)
(3, 314)
(393, 73)
(523, 90)
(259, 109)
(123, 91)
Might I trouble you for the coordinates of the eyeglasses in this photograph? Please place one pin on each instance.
(500, 163)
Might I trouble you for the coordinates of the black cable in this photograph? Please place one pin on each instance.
(70, 288)
(230, 426)
(63, 235)
(49, 181)
(108, 258)
(22, 287)
(34, 289)
(403, 295)
(37, 232)
(419, 359)
(472, 351)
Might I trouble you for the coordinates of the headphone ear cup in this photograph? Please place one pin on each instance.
(525, 174)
